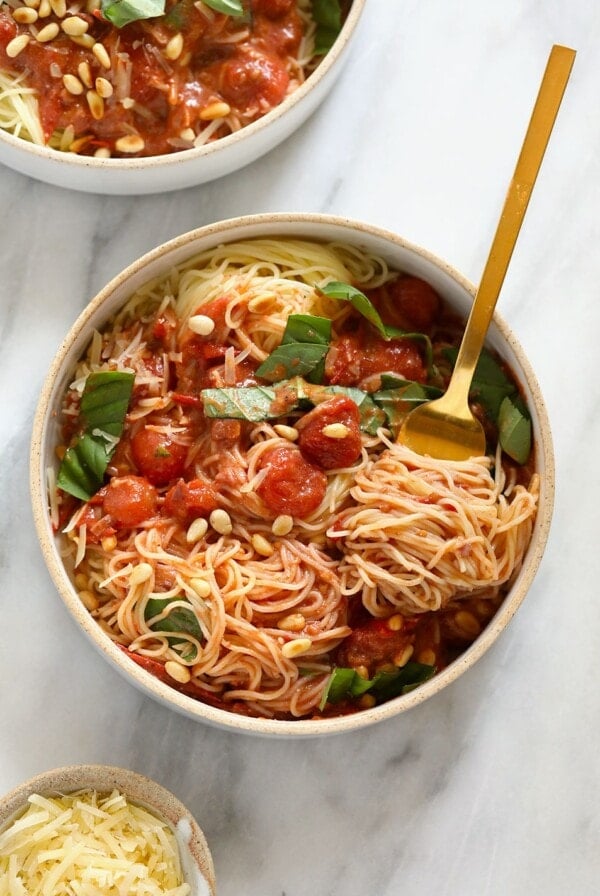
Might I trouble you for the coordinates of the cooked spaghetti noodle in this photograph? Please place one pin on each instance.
(71, 79)
(243, 556)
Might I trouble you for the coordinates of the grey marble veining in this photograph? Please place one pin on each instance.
(492, 787)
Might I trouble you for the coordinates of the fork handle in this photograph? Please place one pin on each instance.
(544, 113)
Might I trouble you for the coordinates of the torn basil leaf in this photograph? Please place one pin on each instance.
(257, 403)
(327, 15)
(359, 301)
(181, 620)
(347, 684)
(103, 408)
(514, 428)
(122, 12)
(490, 384)
(302, 351)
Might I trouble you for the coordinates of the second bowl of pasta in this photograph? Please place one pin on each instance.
(220, 497)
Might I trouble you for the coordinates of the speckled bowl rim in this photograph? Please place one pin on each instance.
(190, 156)
(136, 787)
(288, 225)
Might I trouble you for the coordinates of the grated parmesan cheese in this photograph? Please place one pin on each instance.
(89, 844)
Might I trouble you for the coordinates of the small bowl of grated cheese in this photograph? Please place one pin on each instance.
(92, 829)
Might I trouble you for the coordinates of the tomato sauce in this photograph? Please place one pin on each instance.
(153, 86)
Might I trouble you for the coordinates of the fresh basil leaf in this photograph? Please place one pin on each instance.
(123, 12)
(82, 469)
(302, 351)
(327, 15)
(180, 620)
(346, 684)
(514, 429)
(397, 402)
(359, 301)
(104, 403)
(257, 403)
(292, 359)
(490, 384)
(233, 8)
(307, 328)
(105, 399)
(251, 403)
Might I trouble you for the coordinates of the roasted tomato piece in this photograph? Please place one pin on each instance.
(408, 302)
(354, 357)
(272, 9)
(252, 80)
(377, 643)
(331, 451)
(158, 456)
(129, 501)
(292, 485)
(188, 500)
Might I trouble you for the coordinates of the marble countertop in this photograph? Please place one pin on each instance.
(493, 786)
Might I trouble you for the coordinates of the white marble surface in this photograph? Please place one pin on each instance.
(492, 787)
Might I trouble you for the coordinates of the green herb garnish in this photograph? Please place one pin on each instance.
(233, 8)
(103, 408)
(302, 350)
(181, 620)
(122, 12)
(257, 403)
(502, 402)
(327, 15)
(514, 428)
(347, 684)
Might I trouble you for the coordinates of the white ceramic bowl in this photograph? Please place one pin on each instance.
(175, 171)
(196, 859)
(402, 256)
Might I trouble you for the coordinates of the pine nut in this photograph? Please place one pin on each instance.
(362, 672)
(73, 84)
(286, 432)
(282, 525)
(396, 623)
(367, 701)
(201, 324)
(83, 40)
(109, 542)
(201, 587)
(427, 657)
(402, 658)
(261, 545)
(294, 622)
(14, 46)
(74, 26)
(335, 431)
(103, 88)
(24, 15)
(59, 8)
(103, 152)
(221, 521)
(297, 647)
(196, 530)
(44, 9)
(177, 672)
(101, 54)
(215, 110)
(467, 623)
(131, 143)
(85, 74)
(89, 600)
(32, 4)
(47, 33)
(174, 47)
(96, 104)
(140, 574)
(188, 134)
